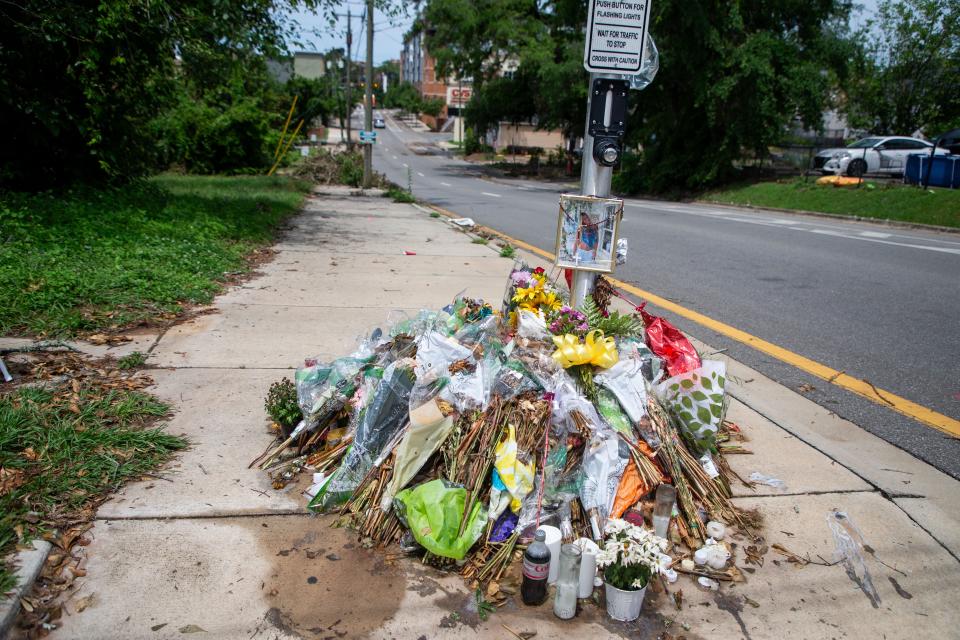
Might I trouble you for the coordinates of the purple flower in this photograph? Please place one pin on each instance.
(583, 327)
(520, 277)
(565, 310)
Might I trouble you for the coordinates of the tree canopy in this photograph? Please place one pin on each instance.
(83, 83)
(908, 69)
(733, 76)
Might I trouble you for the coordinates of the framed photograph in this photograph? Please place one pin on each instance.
(587, 232)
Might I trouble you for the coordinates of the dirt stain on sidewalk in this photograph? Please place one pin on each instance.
(321, 583)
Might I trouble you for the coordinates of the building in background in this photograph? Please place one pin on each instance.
(418, 68)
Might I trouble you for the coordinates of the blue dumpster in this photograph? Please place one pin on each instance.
(944, 172)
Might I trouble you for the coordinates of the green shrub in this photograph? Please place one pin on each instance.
(281, 404)
(350, 164)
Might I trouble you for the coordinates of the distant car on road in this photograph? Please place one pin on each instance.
(880, 154)
(379, 123)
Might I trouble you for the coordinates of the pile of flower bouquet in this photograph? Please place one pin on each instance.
(456, 433)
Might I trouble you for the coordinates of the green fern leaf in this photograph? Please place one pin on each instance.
(615, 324)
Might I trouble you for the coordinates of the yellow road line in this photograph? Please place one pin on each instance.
(860, 387)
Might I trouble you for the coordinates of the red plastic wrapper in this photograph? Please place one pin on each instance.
(667, 343)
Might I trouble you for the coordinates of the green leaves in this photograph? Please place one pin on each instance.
(615, 324)
(904, 75)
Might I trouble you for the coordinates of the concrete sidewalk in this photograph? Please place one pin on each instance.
(218, 552)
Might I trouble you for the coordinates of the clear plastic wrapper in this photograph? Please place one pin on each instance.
(627, 380)
(609, 409)
(512, 380)
(479, 332)
(559, 488)
(769, 481)
(531, 325)
(849, 551)
(649, 67)
(566, 401)
(382, 421)
(604, 462)
(436, 352)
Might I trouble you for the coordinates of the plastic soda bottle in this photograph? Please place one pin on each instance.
(536, 570)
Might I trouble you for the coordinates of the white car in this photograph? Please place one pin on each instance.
(886, 155)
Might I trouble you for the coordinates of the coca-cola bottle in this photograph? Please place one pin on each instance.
(536, 570)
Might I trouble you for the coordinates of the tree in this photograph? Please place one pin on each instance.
(81, 83)
(732, 76)
(544, 38)
(403, 96)
(433, 106)
(908, 69)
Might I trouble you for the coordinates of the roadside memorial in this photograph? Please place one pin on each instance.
(458, 433)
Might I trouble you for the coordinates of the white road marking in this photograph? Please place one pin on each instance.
(866, 236)
(446, 184)
(394, 157)
(406, 165)
(421, 175)
(492, 195)
(896, 244)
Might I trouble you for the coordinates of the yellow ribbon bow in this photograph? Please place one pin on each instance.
(595, 349)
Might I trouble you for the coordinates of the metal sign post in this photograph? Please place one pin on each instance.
(617, 30)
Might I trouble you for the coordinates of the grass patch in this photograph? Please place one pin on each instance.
(871, 200)
(480, 241)
(132, 360)
(434, 214)
(507, 251)
(63, 450)
(400, 195)
(86, 260)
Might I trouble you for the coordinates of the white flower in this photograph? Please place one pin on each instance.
(615, 526)
(638, 584)
(605, 558)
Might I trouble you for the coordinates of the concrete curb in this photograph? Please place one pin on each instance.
(29, 563)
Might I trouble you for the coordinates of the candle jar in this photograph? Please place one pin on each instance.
(666, 495)
(568, 582)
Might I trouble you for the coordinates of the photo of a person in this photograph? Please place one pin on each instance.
(586, 232)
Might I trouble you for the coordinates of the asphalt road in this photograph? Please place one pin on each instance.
(879, 303)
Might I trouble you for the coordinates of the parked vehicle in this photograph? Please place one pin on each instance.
(379, 123)
(880, 154)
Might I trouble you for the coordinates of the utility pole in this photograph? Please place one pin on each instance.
(609, 55)
(594, 181)
(368, 102)
(347, 96)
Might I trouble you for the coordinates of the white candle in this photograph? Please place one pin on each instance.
(588, 566)
(553, 540)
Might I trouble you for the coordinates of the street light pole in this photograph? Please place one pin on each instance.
(368, 102)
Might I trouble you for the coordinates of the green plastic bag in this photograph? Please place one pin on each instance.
(433, 511)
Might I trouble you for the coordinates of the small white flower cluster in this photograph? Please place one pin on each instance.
(627, 544)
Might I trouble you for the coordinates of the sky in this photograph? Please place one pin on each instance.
(315, 34)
